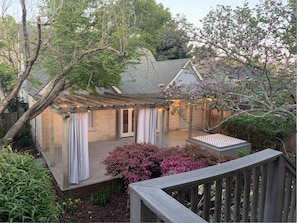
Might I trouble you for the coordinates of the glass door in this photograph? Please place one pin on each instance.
(127, 122)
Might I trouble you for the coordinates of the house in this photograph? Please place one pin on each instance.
(140, 81)
(133, 109)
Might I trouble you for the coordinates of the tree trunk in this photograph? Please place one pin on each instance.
(33, 111)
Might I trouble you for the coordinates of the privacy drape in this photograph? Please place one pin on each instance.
(78, 148)
(146, 125)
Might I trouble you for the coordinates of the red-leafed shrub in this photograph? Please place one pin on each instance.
(134, 162)
(179, 164)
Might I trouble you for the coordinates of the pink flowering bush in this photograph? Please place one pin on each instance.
(179, 164)
(134, 162)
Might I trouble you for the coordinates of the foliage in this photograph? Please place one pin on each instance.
(70, 205)
(150, 19)
(136, 162)
(24, 136)
(26, 193)
(174, 40)
(262, 132)
(8, 76)
(243, 153)
(195, 151)
(16, 104)
(179, 164)
(247, 58)
(102, 195)
(123, 26)
(133, 162)
(75, 45)
(8, 69)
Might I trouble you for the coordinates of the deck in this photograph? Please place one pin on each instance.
(98, 151)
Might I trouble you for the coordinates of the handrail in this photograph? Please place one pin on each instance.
(168, 213)
(152, 200)
(210, 173)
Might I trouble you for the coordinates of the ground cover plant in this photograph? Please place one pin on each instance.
(26, 193)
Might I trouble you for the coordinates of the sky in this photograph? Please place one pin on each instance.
(194, 10)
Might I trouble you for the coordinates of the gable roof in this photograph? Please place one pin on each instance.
(37, 79)
(149, 74)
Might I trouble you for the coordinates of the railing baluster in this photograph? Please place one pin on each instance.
(218, 201)
(263, 192)
(255, 197)
(237, 197)
(292, 213)
(287, 200)
(194, 199)
(206, 204)
(227, 206)
(181, 196)
(246, 196)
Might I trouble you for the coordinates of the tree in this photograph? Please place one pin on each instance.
(151, 19)
(255, 60)
(81, 44)
(174, 40)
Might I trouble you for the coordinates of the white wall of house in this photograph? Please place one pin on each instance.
(104, 128)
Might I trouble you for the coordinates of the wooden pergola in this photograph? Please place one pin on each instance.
(65, 104)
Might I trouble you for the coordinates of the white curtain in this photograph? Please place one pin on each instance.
(146, 126)
(78, 148)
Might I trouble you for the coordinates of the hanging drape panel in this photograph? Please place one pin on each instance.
(146, 126)
(78, 150)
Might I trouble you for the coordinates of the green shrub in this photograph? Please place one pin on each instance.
(26, 193)
(261, 132)
(102, 195)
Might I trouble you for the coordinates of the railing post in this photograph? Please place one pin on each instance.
(138, 211)
(275, 191)
(135, 207)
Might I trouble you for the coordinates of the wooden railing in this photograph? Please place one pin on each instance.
(258, 188)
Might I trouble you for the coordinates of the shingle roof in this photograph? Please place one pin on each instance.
(38, 79)
(147, 76)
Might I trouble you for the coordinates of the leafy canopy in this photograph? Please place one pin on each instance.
(118, 28)
(247, 58)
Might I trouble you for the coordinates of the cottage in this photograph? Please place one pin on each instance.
(133, 109)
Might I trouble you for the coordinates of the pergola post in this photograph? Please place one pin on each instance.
(135, 124)
(161, 133)
(118, 128)
(65, 157)
(51, 139)
(190, 122)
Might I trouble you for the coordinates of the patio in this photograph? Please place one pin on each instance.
(99, 150)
